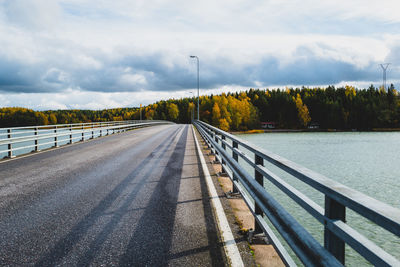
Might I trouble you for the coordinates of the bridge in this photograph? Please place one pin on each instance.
(139, 193)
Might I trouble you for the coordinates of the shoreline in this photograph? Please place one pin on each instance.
(256, 131)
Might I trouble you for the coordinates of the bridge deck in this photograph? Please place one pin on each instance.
(131, 199)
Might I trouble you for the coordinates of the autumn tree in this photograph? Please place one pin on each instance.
(216, 115)
(303, 113)
(173, 111)
(340, 108)
(52, 119)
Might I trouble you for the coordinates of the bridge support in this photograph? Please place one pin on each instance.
(36, 140)
(83, 133)
(216, 151)
(55, 138)
(336, 246)
(260, 180)
(223, 163)
(236, 158)
(9, 146)
(70, 135)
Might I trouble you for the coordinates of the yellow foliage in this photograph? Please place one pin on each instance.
(223, 124)
(216, 114)
(173, 111)
(149, 114)
(52, 119)
(303, 114)
(255, 131)
(350, 91)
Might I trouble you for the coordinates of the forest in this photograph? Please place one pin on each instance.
(343, 108)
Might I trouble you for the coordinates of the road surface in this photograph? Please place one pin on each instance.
(131, 199)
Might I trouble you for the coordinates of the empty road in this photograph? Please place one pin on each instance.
(131, 199)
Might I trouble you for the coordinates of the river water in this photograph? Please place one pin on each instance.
(366, 161)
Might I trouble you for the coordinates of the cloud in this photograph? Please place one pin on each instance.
(232, 59)
(75, 99)
(123, 46)
(55, 76)
(32, 15)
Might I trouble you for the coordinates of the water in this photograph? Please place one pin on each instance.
(366, 161)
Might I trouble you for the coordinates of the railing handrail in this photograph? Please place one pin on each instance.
(42, 132)
(367, 206)
(66, 132)
(381, 213)
(73, 124)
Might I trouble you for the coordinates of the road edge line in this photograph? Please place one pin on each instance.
(230, 246)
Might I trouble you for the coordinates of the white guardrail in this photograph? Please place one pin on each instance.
(21, 140)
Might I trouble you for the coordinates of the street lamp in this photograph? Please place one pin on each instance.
(198, 86)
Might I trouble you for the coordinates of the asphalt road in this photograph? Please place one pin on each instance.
(131, 199)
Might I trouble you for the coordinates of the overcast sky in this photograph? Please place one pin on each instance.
(62, 54)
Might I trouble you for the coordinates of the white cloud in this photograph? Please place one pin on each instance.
(109, 48)
(33, 14)
(55, 75)
(75, 99)
(132, 79)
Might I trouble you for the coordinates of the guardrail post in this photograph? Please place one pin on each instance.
(224, 148)
(260, 180)
(211, 145)
(216, 151)
(70, 134)
(235, 157)
(101, 129)
(83, 133)
(10, 154)
(92, 131)
(36, 139)
(55, 137)
(332, 243)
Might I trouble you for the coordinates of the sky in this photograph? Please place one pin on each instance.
(86, 54)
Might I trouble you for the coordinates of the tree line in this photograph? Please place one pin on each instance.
(292, 108)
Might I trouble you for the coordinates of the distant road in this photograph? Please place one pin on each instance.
(131, 199)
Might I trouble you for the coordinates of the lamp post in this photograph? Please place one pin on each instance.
(198, 86)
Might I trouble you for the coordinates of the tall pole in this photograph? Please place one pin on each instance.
(384, 67)
(198, 86)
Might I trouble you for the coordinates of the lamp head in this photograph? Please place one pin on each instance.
(192, 56)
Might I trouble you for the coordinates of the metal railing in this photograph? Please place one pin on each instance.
(35, 138)
(338, 197)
